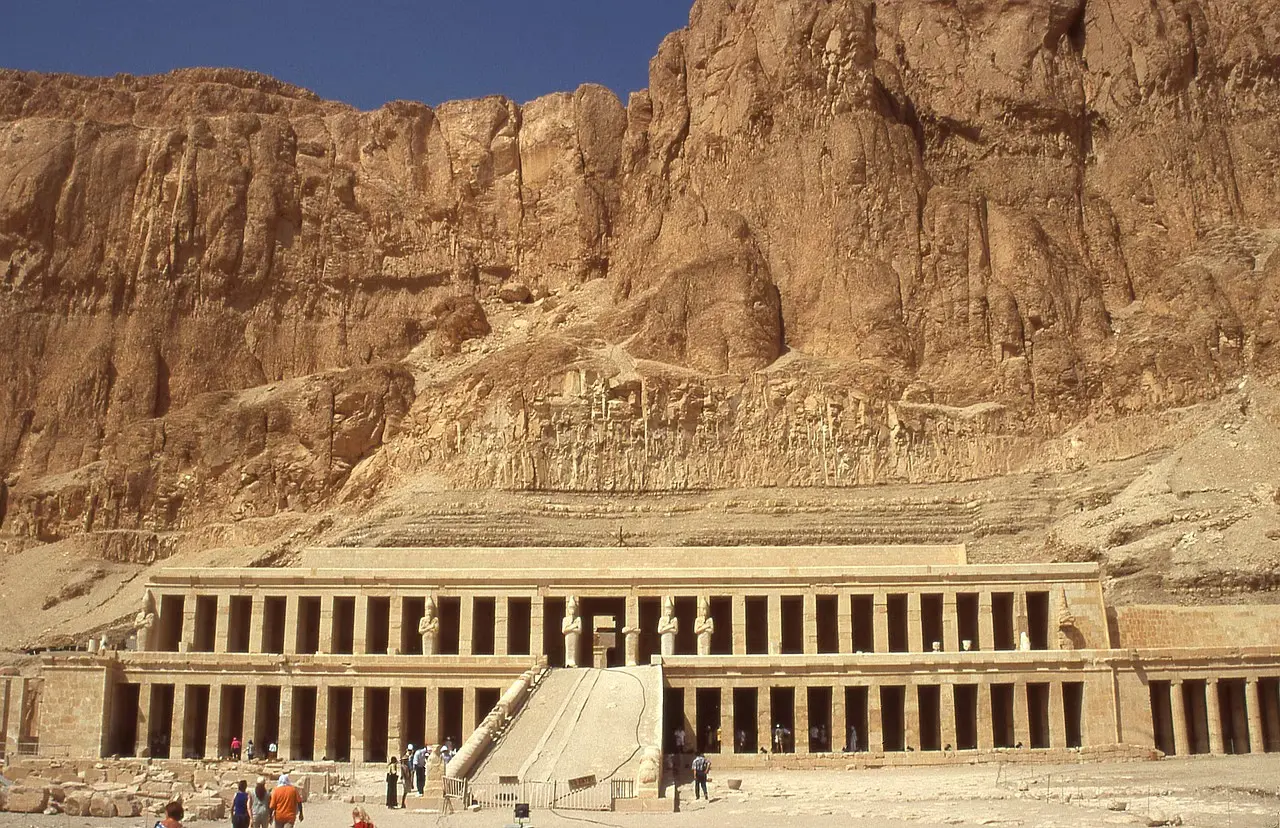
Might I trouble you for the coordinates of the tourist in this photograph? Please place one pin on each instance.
(360, 818)
(286, 803)
(778, 732)
(852, 746)
(393, 782)
(172, 816)
(420, 769)
(235, 748)
(240, 806)
(679, 738)
(740, 743)
(446, 751)
(406, 773)
(272, 749)
(260, 803)
(248, 751)
(701, 767)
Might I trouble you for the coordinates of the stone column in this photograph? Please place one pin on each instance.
(178, 723)
(691, 718)
(357, 724)
(1021, 715)
(875, 716)
(466, 625)
(11, 721)
(1215, 717)
(844, 626)
(187, 641)
(810, 608)
(984, 734)
(911, 708)
(395, 627)
(141, 743)
(500, 607)
(284, 735)
(537, 641)
(775, 623)
(222, 643)
(739, 616)
(320, 748)
(1057, 717)
(839, 719)
(257, 614)
(326, 625)
(360, 626)
(986, 624)
(802, 719)
(668, 624)
(468, 712)
(881, 626)
(915, 635)
(1181, 734)
(947, 713)
(432, 716)
(213, 746)
(394, 748)
(293, 618)
(1253, 704)
(764, 719)
(1020, 625)
(250, 726)
(950, 623)
(728, 734)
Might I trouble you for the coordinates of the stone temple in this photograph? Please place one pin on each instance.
(547, 664)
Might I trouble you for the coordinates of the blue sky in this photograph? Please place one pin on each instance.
(364, 52)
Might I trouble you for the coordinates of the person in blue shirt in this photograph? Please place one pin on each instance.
(240, 806)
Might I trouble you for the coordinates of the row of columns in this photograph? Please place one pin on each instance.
(951, 639)
(766, 717)
(1254, 702)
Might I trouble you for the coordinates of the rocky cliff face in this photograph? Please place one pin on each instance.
(835, 243)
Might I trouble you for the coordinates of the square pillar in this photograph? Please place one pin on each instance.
(395, 630)
(466, 626)
(468, 712)
(321, 746)
(360, 626)
(764, 718)
(222, 642)
(187, 642)
(985, 740)
(249, 730)
(875, 724)
(500, 625)
(839, 719)
(13, 719)
(911, 707)
(1253, 703)
(326, 628)
(141, 747)
(178, 723)
(727, 738)
(432, 717)
(1057, 716)
(801, 735)
(357, 722)
(986, 623)
(213, 747)
(537, 610)
(947, 714)
(1020, 625)
(293, 617)
(1181, 735)
(1216, 746)
(1021, 715)
(739, 604)
(915, 635)
(257, 615)
(950, 624)
(690, 718)
(881, 621)
(810, 608)
(284, 734)
(844, 625)
(775, 624)
(394, 748)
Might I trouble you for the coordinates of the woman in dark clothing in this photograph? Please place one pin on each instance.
(240, 806)
(393, 782)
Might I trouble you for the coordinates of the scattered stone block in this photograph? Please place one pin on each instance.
(27, 799)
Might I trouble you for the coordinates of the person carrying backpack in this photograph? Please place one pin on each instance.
(701, 767)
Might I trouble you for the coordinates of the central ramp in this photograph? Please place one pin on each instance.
(580, 722)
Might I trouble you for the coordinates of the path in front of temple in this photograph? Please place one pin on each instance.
(1234, 792)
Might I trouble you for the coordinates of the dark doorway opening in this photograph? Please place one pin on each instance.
(450, 701)
(413, 717)
(486, 700)
(519, 625)
(344, 625)
(205, 635)
(338, 748)
(893, 717)
(232, 724)
(929, 699)
(707, 713)
(377, 638)
(746, 720)
(302, 725)
(1002, 621)
(195, 724)
(552, 637)
(686, 613)
(308, 635)
(1073, 712)
(484, 626)
(1002, 732)
(782, 705)
(1038, 715)
(239, 614)
(171, 610)
(819, 735)
(451, 624)
(122, 740)
(274, 608)
(757, 625)
(267, 729)
(673, 720)
(864, 623)
(1162, 717)
(1195, 703)
(966, 716)
(377, 713)
(1038, 620)
(792, 624)
(1269, 699)
(721, 609)
(160, 722)
(967, 620)
(1235, 720)
(898, 624)
(931, 624)
(827, 608)
(857, 736)
(411, 612)
(593, 608)
(650, 644)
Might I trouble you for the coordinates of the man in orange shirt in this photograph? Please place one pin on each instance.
(286, 803)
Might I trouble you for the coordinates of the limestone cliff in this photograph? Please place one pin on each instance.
(836, 242)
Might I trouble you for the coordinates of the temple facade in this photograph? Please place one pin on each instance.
(798, 655)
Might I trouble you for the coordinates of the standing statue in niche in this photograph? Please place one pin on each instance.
(1068, 634)
(144, 623)
(668, 626)
(429, 628)
(571, 626)
(704, 626)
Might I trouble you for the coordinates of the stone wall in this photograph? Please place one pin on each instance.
(1174, 626)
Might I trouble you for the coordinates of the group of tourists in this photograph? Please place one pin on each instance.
(410, 771)
(281, 807)
(250, 753)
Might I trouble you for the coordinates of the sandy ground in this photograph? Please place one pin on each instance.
(1211, 792)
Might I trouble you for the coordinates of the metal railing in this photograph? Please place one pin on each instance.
(539, 795)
